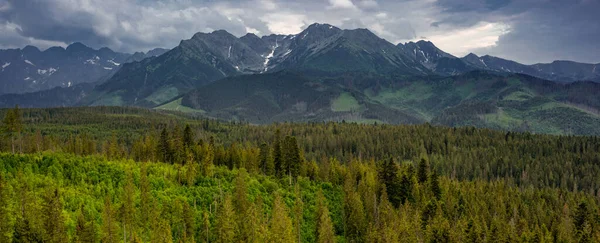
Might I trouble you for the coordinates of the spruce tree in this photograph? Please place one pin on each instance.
(324, 227)
(280, 225)
(423, 171)
(278, 159)
(128, 207)
(188, 223)
(226, 224)
(188, 137)
(164, 147)
(6, 212)
(54, 222)
(266, 162)
(434, 184)
(241, 206)
(85, 230)
(109, 224)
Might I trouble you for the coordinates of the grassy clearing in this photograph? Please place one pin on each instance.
(176, 106)
(113, 99)
(345, 102)
(163, 95)
(518, 96)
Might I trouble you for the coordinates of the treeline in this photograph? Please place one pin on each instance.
(524, 159)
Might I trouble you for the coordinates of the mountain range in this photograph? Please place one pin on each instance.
(29, 69)
(322, 73)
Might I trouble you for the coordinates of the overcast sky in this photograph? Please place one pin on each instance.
(528, 31)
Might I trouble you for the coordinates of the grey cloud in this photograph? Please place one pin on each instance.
(540, 30)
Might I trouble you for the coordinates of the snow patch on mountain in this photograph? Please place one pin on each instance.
(48, 71)
(5, 65)
(114, 63)
(268, 57)
(108, 68)
(29, 62)
(90, 61)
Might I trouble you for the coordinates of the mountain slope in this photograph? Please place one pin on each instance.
(560, 71)
(513, 102)
(29, 69)
(195, 62)
(287, 96)
(325, 48)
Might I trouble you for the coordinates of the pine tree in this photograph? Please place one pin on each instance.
(6, 221)
(208, 159)
(128, 207)
(85, 230)
(434, 184)
(406, 188)
(388, 174)
(205, 232)
(145, 201)
(298, 207)
(54, 222)
(13, 125)
(280, 226)
(188, 223)
(226, 221)
(292, 157)
(241, 206)
(278, 159)
(355, 217)
(324, 227)
(423, 171)
(164, 147)
(109, 224)
(581, 220)
(188, 137)
(266, 162)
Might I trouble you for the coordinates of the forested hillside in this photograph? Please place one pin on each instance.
(135, 175)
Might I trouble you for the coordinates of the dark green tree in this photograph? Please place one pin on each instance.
(434, 184)
(54, 222)
(188, 137)
(423, 171)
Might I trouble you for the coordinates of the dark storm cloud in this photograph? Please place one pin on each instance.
(524, 30)
(541, 30)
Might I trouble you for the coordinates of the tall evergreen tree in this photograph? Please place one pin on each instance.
(324, 227)
(109, 224)
(13, 125)
(241, 206)
(292, 157)
(128, 208)
(85, 230)
(54, 222)
(298, 208)
(280, 225)
(434, 184)
(6, 212)
(278, 159)
(226, 221)
(188, 137)
(164, 147)
(388, 175)
(188, 223)
(266, 162)
(423, 171)
(208, 159)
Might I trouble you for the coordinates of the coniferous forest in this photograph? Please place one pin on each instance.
(117, 174)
